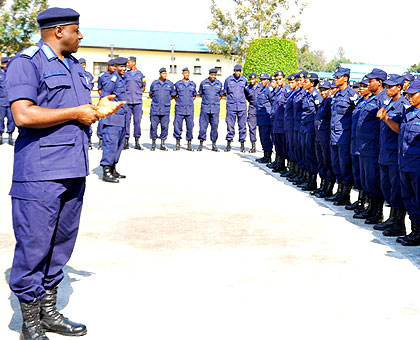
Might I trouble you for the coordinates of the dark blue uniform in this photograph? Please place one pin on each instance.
(279, 137)
(186, 91)
(251, 94)
(234, 89)
(297, 116)
(49, 170)
(113, 131)
(103, 79)
(134, 83)
(210, 108)
(162, 93)
(264, 117)
(289, 127)
(5, 112)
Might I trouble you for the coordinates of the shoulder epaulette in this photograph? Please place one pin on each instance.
(114, 78)
(101, 74)
(407, 106)
(355, 97)
(30, 51)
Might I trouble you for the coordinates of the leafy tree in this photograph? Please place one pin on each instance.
(18, 24)
(414, 68)
(252, 19)
(311, 61)
(338, 59)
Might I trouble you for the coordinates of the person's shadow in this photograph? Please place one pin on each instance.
(64, 291)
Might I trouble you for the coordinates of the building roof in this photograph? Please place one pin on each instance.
(358, 71)
(146, 40)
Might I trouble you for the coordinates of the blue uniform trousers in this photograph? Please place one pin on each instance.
(112, 144)
(279, 140)
(189, 122)
(90, 133)
(266, 133)
(205, 120)
(230, 122)
(99, 128)
(370, 177)
(46, 217)
(341, 163)
(355, 164)
(6, 113)
(391, 186)
(289, 145)
(297, 147)
(309, 155)
(323, 156)
(410, 190)
(252, 126)
(135, 110)
(155, 120)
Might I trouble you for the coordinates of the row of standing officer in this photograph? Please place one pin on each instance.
(5, 111)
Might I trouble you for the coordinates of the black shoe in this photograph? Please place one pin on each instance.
(90, 144)
(365, 213)
(1, 138)
(337, 195)
(412, 239)
(100, 144)
(228, 146)
(126, 146)
(177, 145)
(288, 171)
(266, 159)
(108, 176)
(359, 204)
(300, 178)
(305, 180)
(153, 148)
(280, 167)
(273, 164)
(200, 147)
(163, 146)
(115, 173)
(10, 138)
(242, 147)
(53, 321)
(344, 198)
(398, 227)
(214, 147)
(311, 184)
(31, 327)
(377, 213)
(253, 148)
(137, 145)
(386, 224)
(189, 146)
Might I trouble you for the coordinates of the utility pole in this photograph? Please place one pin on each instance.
(173, 61)
(112, 50)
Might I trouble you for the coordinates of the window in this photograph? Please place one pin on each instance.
(98, 68)
(217, 60)
(197, 69)
(197, 59)
(172, 69)
(115, 56)
(219, 70)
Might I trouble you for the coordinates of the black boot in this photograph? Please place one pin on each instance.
(337, 195)
(137, 145)
(265, 159)
(311, 184)
(360, 203)
(412, 239)
(153, 148)
(53, 321)
(384, 225)
(108, 176)
(273, 164)
(290, 170)
(366, 213)
(90, 144)
(214, 147)
(100, 144)
(321, 187)
(10, 138)
(344, 198)
(284, 172)
(115, 173)
(162, 145)
(305, 179)
(228, 146)
(200, 147)
(242, 147)
(253, 148)
(295, 173)
(189, 146)
(1, 138)
(177, 145)
(398, 227)
(377, 213)
(301, 178)
(31, 327)
(280, 165)
(126, 146)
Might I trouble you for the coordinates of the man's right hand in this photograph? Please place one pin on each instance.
(87, 114)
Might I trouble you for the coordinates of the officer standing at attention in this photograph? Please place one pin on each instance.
(161, 91)
(186, 91)
(211, 91)
(264, 119)
(408, 78)
(89, 76)
(251, 94)
(234, 90)
(5, 111)
(113, 130)
(50, 101)
(135, 83)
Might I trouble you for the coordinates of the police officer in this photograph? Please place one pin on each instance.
(50, 101)
(162, 91)
(186, 92)
(135, 83)
(103, 79)
(408, 78)
(409, 163)
(264, 118)
(113, 131)
(368, 135)
(211, 91)
(390, 116)
(342, 106)
(251, 94)
(89, 76)
(5, 112)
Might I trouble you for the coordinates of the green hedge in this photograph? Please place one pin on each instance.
(270, 55)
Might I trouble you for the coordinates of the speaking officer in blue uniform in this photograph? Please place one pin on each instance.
(186, 92)
(342, 106)
(234, 90)
(5, 111)
(211, 91)
(135, 83)
(251, 94)
(113, 130)
(409, 162)
(390, 116)
(368, 135)
(264, 118)
(50, 101)
(161, 91)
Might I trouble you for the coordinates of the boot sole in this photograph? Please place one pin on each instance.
(66, 334)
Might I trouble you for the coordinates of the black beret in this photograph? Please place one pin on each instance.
(120, 61)
(55, 16)
(162, 69)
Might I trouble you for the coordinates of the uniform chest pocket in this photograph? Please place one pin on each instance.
(58, 152)
(56, 84)
(413, 134)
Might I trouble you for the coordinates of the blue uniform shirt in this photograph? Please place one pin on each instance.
(162, 94)
(368, 125)
(3, 92)
(310, 104)
(279, 103)
(251, 94)
(103, 79)
(185, 93)
(60, 151)
(210, 92)
(234, 90)
(289, 118)
(322, 121)
(90, 79)
(297, 108)
(264, 102)
(409, 141)
(355, 144)
(388, 151)
(134, 82)
(116, 86)
(342, 107)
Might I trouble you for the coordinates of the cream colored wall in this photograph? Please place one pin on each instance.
(149, 62)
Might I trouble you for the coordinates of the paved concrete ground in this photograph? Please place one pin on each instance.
(212, 246)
